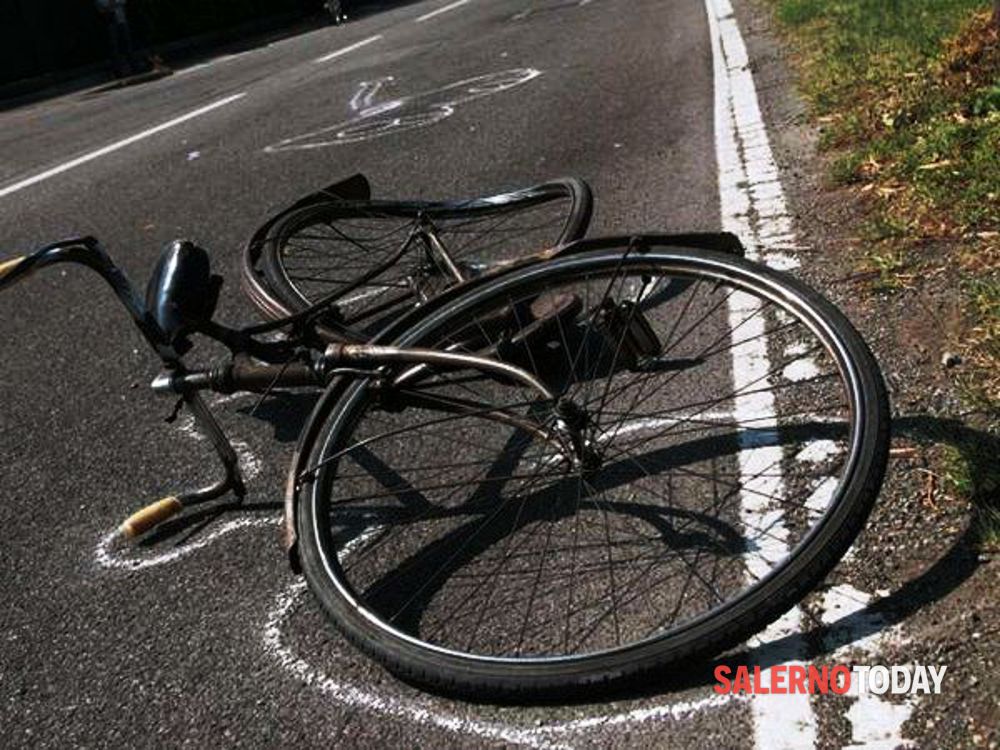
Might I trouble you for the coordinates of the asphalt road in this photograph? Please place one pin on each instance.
(205, 637)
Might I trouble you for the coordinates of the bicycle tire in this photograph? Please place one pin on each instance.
(497, 227)
(733, 621)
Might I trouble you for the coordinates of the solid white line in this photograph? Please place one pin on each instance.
(116, 146)
(753, 207)
(349, 48)
(439, 11)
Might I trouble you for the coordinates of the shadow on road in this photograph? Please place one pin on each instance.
(287, 412)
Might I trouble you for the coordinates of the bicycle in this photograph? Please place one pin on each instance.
(553, 476)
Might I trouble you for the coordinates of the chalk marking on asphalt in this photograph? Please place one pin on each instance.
(407, 112)
(423, 712)
(349, 48)
(864, 630)
(106, 556)
(366, 92)
(745, 164)
(439, 11)
(250, 466)
(112, 147)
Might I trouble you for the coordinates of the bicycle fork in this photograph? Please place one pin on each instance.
(156, 513)
(87, 251)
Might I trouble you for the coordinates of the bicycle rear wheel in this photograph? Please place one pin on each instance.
(365, 252)
(727, 438)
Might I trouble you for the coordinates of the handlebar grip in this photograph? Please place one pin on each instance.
(143, 520)
(8, 266)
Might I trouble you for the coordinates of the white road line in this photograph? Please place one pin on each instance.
(193, 68)
(753, 207)
(110, 148)
(439, 11)
(876, 724)
(213, 61)
(349, 48)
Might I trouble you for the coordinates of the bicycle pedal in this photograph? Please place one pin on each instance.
(152, 515)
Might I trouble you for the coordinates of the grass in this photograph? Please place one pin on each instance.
(971, 471)
(907, 93)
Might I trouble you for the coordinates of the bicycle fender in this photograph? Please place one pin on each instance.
(725, 242)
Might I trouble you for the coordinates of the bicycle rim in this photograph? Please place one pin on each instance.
(737, 454)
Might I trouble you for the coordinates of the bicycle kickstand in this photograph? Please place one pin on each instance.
(156, 513)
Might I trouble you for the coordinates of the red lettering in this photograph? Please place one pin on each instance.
(778, 679)
(742, 681)
(796, 678)
(724, 685)
(842, 685)
(758, 686)
(818, 681)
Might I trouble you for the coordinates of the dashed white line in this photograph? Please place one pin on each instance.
(439, 11)
(349, 48)
(112, 147)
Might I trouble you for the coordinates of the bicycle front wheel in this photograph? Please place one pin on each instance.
(718, 437)
(366, 254)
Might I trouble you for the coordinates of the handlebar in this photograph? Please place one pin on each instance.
(8, 267)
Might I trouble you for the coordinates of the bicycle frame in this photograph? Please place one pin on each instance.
(304, 359)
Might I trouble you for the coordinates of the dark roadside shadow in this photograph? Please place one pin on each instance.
(95, 79)
(248, 37)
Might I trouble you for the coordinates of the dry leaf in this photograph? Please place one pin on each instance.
(935, 165)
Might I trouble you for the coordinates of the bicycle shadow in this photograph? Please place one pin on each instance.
(944, 575)
(821, 640)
